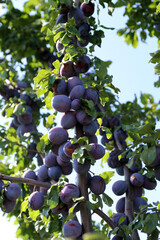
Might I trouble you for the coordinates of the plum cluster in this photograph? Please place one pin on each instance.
(24, 123)
(10, 194)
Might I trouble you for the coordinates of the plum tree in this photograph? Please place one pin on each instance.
(48, 67)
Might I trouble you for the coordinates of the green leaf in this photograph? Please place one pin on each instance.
(33, 214)
(148, 155)
(107, 200)
(107, 176)
(150, 223)
(24, 205)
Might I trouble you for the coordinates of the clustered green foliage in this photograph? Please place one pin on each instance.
(28, 52)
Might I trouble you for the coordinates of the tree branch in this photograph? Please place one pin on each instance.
(25, 180)
(129, 202)
(105, 218)
(82, 184)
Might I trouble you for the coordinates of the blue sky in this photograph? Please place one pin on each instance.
(132, 74)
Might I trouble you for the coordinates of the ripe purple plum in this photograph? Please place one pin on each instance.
(77, 92)
(137, 179)
(97, 185)
(120, 205)
(58, 135)
(74, 81)
(61, 162)
(72, 229)
(68, 120)
(149, 184)
(43, 172)
(60, 87)
(119, 187)
(87, 8)
(84, 30)
(97, 151)
(55, 172)
(62, 154)
(25, 118)
(116, 217)
(92, 139)
(50, 160)
(22, 84)
(22, 129)
(8, 205)
(76, 104)
(13, 191)
(68, 192)
(30, 174)
(77, 14)
(138, 201)
(83, 64)
(91, 128)
(81, 168)
(1, 185)
(83, 118)
(61, 103)
(62, 18)
(31, 150)
(67, 170)
(91, 95)
(120, 171)
(67, 69)
(69, 148)
(36, 200)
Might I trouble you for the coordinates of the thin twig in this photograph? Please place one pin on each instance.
(105, 218)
